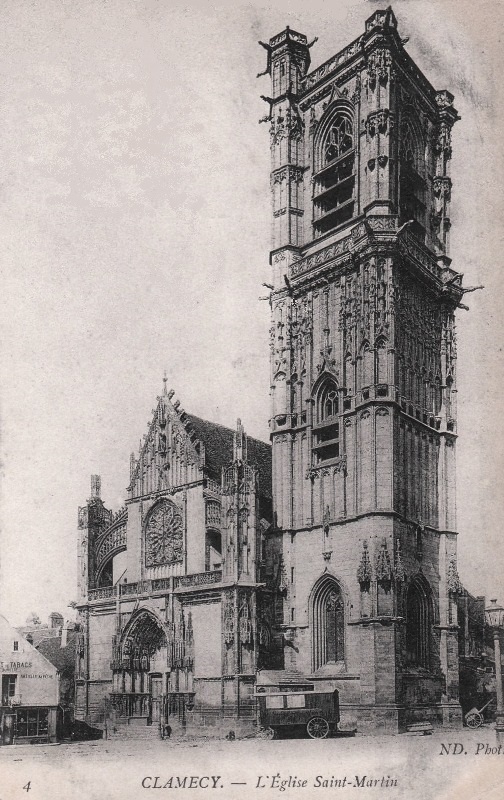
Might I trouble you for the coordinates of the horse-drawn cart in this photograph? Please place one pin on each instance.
(316, 712)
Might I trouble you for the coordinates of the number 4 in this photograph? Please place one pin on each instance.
(27, 786)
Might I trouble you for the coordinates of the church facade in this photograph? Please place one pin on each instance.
(170, 605)
(338, 569)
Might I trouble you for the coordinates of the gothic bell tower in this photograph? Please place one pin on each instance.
(363, 381)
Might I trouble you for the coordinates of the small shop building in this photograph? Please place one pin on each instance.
(30, 691)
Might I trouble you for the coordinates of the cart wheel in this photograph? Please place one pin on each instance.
(474, 720)
(317, 728)
(267, 733)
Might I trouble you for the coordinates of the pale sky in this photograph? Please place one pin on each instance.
(135, 236)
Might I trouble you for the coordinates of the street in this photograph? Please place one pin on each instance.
(442, 766)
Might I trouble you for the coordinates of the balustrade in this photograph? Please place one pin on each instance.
(199, 578)
(102, 593)
(160, 583)
(155, 585)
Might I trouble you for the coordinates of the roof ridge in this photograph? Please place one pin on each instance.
(226, 428)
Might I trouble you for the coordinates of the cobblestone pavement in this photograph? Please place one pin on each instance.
(448, 765)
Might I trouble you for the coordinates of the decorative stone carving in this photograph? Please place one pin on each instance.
(289, 124)
(328, 362)
(356, 95)
(399, 573)
(383, 567)
(444, 99)
(282, 584)
(114, 540)
(163, 535)
(326, 520)
(245, 624)
(453, 582)
(316, 472)
(82, 517)
(381, 121)
(228, 618)
(364, 570)
(329, 253)
(442, 187)
(378, 67)
(442, 140)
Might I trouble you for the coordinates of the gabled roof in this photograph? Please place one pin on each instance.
(39, 633)
(218, 442)
(8, 635)
(63, 658)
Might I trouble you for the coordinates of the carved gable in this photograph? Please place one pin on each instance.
(170, 455)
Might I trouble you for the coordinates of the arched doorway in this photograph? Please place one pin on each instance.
(140, 668)
(328, 623)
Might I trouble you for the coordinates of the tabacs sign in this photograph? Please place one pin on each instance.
(6, 666)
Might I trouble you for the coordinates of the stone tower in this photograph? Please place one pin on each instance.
(363, 383)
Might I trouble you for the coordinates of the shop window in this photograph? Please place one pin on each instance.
(8, 688)
(334, 193)
(32, 723)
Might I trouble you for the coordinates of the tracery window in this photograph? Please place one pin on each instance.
(334, 186)
(418, 624)
(412, 183)
(339, 138)
(326, 434)
(328, 620)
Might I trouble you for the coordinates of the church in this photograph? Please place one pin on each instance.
(327, 559)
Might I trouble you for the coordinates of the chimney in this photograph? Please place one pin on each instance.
(64, 634)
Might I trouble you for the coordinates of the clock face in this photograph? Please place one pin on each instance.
(163, 535)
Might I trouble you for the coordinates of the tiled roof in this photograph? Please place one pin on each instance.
(63, 658)
(39, 633)
(218, 442)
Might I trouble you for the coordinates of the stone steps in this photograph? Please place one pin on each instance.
(132, 730)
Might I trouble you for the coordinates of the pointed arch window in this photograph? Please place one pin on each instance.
(294, 396)
(339, 138)
(326, 435)
(450, 422)
(328, 624)
(381, 362)
(418, 624)
(366, 366)
(334, 188)
(412, 182)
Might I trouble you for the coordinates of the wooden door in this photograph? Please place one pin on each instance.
(156, 695)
